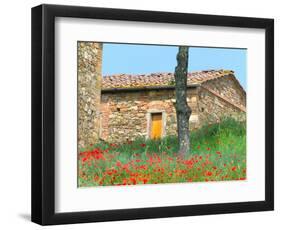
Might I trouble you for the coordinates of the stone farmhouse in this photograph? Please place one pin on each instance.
(122, 107)
(143, 105)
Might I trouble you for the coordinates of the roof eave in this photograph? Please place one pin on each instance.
(145, 88)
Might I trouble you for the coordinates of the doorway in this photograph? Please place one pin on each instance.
(156, 126)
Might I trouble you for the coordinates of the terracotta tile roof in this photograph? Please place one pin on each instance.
(122, 81)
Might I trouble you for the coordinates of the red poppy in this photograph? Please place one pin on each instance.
(118, 164)
(84, 159)
(110, 172)
(144, 167)
(124, 181)
(144, 180)
(133, 180)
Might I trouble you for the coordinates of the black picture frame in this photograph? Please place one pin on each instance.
(43, 114)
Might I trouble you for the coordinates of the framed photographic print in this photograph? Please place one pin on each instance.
(143, 114)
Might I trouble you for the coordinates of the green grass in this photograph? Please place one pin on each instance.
(229, 136)
(217, 149)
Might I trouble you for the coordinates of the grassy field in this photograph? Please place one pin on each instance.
(218, 152)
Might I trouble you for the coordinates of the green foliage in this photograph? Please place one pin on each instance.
(228, 136)
(218, 152)
(227, 126)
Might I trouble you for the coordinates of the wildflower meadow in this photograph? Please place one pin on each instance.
(218, 153)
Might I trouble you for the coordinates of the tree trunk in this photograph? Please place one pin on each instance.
(182, 109)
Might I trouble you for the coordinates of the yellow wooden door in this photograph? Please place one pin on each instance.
(156, 125)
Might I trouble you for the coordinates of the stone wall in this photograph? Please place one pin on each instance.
(125, 115)
(229, 88)
(89, 92)
(212, 108)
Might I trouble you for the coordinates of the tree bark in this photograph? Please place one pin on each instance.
(183, 111)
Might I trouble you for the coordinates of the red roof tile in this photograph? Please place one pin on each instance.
(121, 81)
